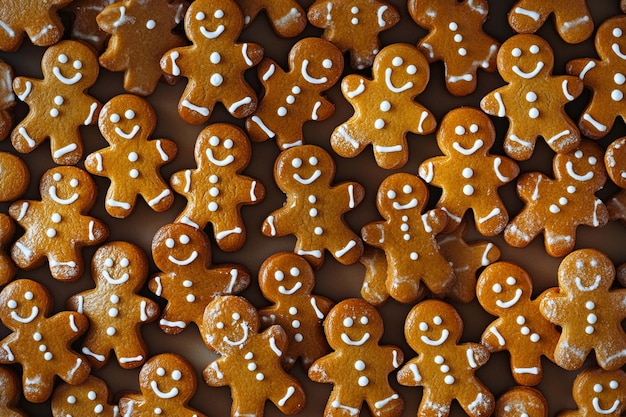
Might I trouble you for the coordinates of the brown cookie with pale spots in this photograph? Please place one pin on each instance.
(87, 398)
(598, 393)
(10, 394)
(521, 401)
(84, 26)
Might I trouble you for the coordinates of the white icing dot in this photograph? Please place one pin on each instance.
(589, 329)
(169, 242)
(51, 232)
(354, 21)
(313, 161)
(73, 183)
(58, 100)
(590, 305)
(219, 13)
(48, 356)
(129, 114)
(281, 111)
(219, 325)
(473, 128)
(405, 218)
(296, 162)
(554, 209)
(613, 384)
(364, 320)
(391, 194)
(397, 61)
(57, 176)
(619, 78)
(318, 231)
(213, 179)
(562, 201)
(216, 80)
(467, 172)
(592, 319)
(200, 16)
(571, 189)
(423, 326)
(71, 399)
(215, 58)
(298, 337)
(406, 237)
(313, 212)
(437, 320)
(597, 388)
(359, 365)
(462, 51)
(62, 58)
(290, 99)
(91, 395)
(12, 304)
(177, 375)
(113, 312)
(348, 322)
(444, 368)
(236, 316)
(617, 32)
(414, 256)
(327, 63)
(385, 106)
(43, 348)
(98, 409)
(617, 95)
(295, 324)
(533, 113)
(54, 112)
(525, 331)
(534, 49)
(592, 160)
(439, 359)
(468, 189)
(252, 366)
(260, 377)
(531, 96)
(111, 331)
(293, 311)
(133, 173)
(511, 281)
(150, 24)
(249, 356)
(407, 189)
(354, 10)
(158, 411)
(458, 38)
(312, 199)
(520, 320)
(363, 381)
(296, 90)
(114, 299)
(190, 298)
(497, 288)
(404, 227)
(295, 272)
(133, 157)
(56, 217)
(453, 26)
(28, 295)
(279, 275)
(36, 336)
(535, 337)
(459, 130)
(214, 191)
(213, 206)
(516, 52)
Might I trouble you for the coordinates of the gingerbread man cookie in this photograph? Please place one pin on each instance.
(132, 161)
(14, 177)
(287, 17)
(359, 366)
(588, 311)
(292, 98)
(40, 22)
(305, 174)
(215, 63)
(58, 226)
(533, 99)
(39, 342)
(7, 232)
(407, 235)
(572, 19)
(465, 137)
(354, 26)
(457, 38)
(167, 382)
(615, 163)
(216, 189)
(7, 99)
(557, 206)
(186, 277)
(384, 107)
(10, 394)
(466, 259)
(287, 280)
(521, 401)
(444, 367)
(141, 32)
(115, 310)
(250, 359)
(84, 26)
(504, 290)
(605, 78)
(91, 397)
(59, 103)
(598, 393)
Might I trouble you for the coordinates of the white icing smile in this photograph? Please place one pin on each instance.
(468, 151)
(212, 34)
(183, 262)
(591, 287)
(219, 162)
(291, 291)
(310, 180)
(569, 166)
(33, 314)
(444, 336)
(596, 406)
(618, 51)
(528, 75)
(348, 341)
(125, 135)
(69, 81)
(308, 77)
(391, 86)
(165, 395)
(65, 201)
(240, 341)
(114, 281)
(512, 301)
(411, 204)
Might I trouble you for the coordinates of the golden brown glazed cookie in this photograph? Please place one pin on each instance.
(14, 177)
(384, 107)
(292, 98)
(588, 311)
(7, 232)
(21, 18)
(358, 367)
(287, 17)
(250, 359)
(456, 37)
(7, 99)
(115, 310)
(354, 26)
(84, 26)
(504, 290)
(287, 280)
(216, 189)
(132, 161)
(141, 32)
(465, 137)
(557, 206)
(444, 367)
(40, 343)
(58, 226)
(186, 277)
(615, 163)
(214, 59)
(314, 208)
(572, 19)
(10, 394)
(605, 78)
(521, 401)
(407, 235)
(58, 103)
(91, 397)
(533, 99)
(167, 382)
(598, 393)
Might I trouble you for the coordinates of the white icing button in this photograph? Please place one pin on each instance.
(48, 356)
(449, 379)
(571, 189)
(293, 311)
(295, 324)
(445, 369)
(213, 206)
(439, 359)
(71, 399)
(554, 209)
(260, 377)
(404, 227)
(533, 113)
(214, 191)
(589, 329)
(216, 80)
(58, 100)
(113, 312)
(468, 189)
(298, 337)
(531, 96)
(363, 381)
(385, 106)
(296, 90)
(187, 283)
(290, 99)
(37, 336)
(359, 365)
(111, 331)
(617, 95)
(54, 112)
(150, 24)
(56, 218)
(379, 124)
(592, 318)
(133, 157)
(190, 298)
(313, 212)
(281, 111)
(215, 58)
(406, 236)
(534, 337)
(133, 173)
(213, 179)
(414, 256)
(318, 231)
(467, 172)
(453, 26)
(51, 233)
(462, 51)
(590, 305)
(458, 38)
(114, 299)
(619, 78)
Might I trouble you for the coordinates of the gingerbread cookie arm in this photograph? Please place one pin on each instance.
(496, 103)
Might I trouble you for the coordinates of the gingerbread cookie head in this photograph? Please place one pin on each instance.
(276, 281)
(586, 270)
(457, 137)
(229, 321)
(521, 401)
(599, 392)
(126, 116)
(432, 323)
(216, 22)
(119, 263)
(92, 397)
(76, 66)
(7, 99)
(68, 186)
(228, 149)
(398, 193)
(583, 166)
(525, 57)
(502, 287)
(610, 40)
(353, 323)
(614, 161)
(293, 170)
(318, 61)
(404, 69)
(179, 246)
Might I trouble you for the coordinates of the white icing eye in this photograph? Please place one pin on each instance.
(474, 128)
(200, 16)
(129, 114)
(516, 52)
(150, 24)
(364, 320)
(511, 281)
(279, 275)
(108, 262)
(236, 316)
(580, 264)
(71, 399)
(327, 63)
(184, 239)
(534, 49)
(597, 388)
(114, 118)
(578, 154)
(594, 263)
(613, 384)
(62, 59)
(77, 64)
(160, 372)
(459, 130)
(219, 13)
(437, 320)
(177, 375)
(219, 325)
(124, 262)
(73, 183)
(313, 161)
(228, 144)
(407, 189)
(295, 272)
(592, 160)
(391, 194)
(57, 176)
(397, 61)
(214, 141)
(12, 304)
(169, 242)
(411, 69)
(92, 395)
(423, 326)
(617, 32)
(296, 162)
(348, 322)
(497, 288)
